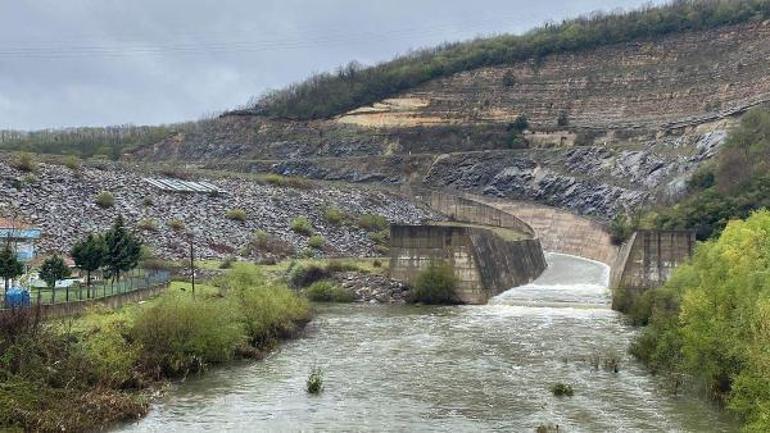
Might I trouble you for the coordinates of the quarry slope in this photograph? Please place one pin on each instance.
(610, 128)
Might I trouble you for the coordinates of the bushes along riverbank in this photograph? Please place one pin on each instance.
(83, 374)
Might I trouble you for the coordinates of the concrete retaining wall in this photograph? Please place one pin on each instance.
(561, 231)
(473, 211)
(484, 263)
(647, 260)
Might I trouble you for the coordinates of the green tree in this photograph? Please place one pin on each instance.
(53, 270)
(10, 266)
(620, 229)
(122, 249)
(711, 320)
(89, 256)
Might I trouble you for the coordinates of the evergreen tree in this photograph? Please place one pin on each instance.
(89, 255)
(123, 249)
(10, 266)
(53, 270)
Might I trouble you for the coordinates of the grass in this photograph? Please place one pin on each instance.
(105, 200)
(24, 162)
(316, 241)
(236, 215)
(327, 291)
(302, 225)
(147, 225)
(287, 181)
(373, 222)
(176, 225)
(302, 273)
(334, 216)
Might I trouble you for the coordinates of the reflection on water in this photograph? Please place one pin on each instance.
(445, 369)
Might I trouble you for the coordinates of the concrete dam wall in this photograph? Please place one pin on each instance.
(647, 260)
(561, 231)
(485, 264)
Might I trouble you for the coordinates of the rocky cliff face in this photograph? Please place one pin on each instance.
(610, 128)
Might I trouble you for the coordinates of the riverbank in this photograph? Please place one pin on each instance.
(710, 324)
(86, 373)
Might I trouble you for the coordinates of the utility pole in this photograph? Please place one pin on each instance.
(192, 264)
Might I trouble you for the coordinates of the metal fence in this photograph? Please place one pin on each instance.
(100, 288)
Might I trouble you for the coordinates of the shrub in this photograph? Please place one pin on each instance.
(732, 186)
(315, 381)
(327, 291)
(72, 162)
(176, 225)
(262, 241)
(25, 162)
(147, 202)
(316, 241)
(180, 334)
(113, 358)
(620, 229)
(227, 263)
(268, 310)
(508, 79)
(299, 276)
(288, 181)
(333, 266)
(373, 223)
(377, 263)
(236, 215)
(148, 225)
(381, 237)
(520, 124)
(333, 215)
(562, 390)
(105, 200)
(301, 225)
(435, 285)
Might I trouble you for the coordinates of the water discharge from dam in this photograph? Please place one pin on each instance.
(447, 369)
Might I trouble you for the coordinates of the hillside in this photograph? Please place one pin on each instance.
(326, 95)
(609, 128)
(55, 198)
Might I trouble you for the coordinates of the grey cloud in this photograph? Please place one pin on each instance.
(103, 62)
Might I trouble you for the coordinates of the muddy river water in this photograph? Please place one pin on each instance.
(447, 369)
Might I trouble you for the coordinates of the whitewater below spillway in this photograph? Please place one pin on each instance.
(447, 369)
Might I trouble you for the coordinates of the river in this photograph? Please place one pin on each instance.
(446, 369)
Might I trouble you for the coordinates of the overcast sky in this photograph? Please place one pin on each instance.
(108, 62)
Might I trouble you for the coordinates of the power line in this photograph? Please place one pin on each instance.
(55, 51)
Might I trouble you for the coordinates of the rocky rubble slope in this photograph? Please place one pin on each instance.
(62, 203)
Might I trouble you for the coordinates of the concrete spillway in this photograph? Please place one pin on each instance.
(488, 260)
